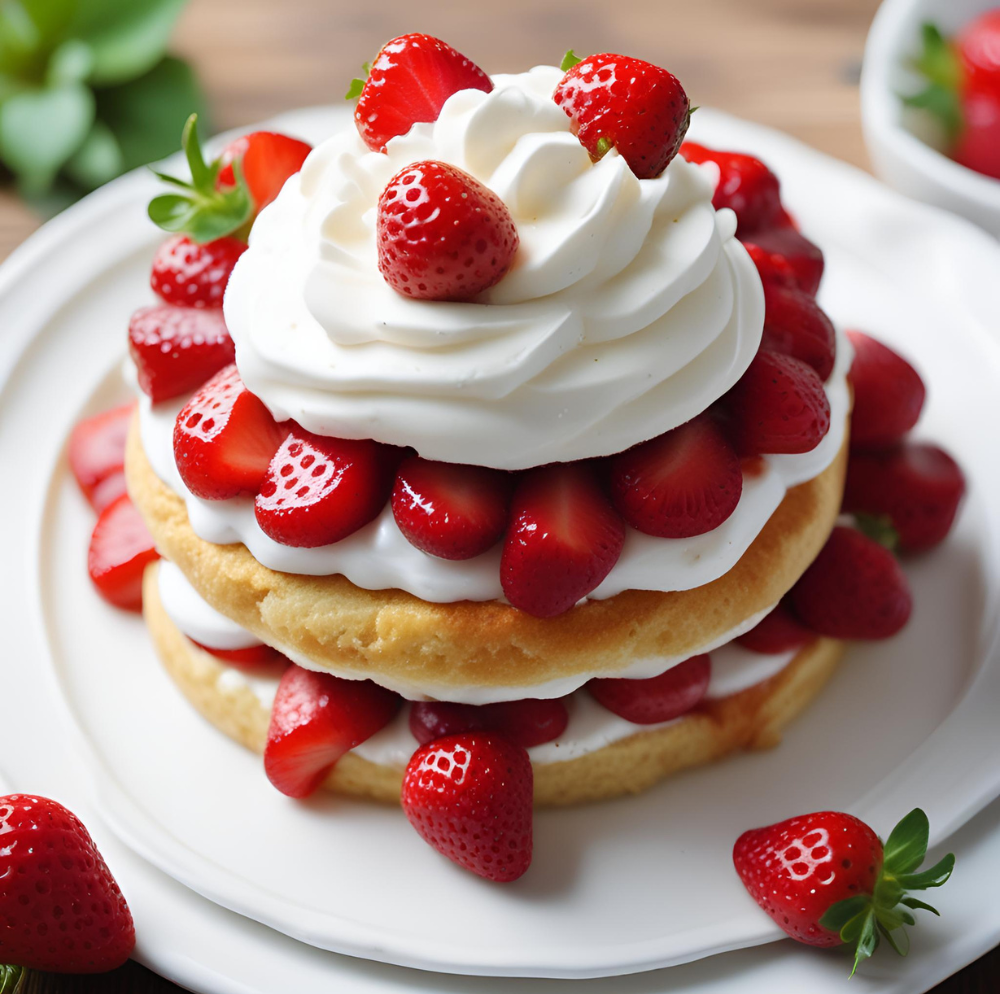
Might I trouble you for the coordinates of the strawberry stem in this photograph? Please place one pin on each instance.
(940, 66)
(569, 60)
(879, 528)
(358, 84)
(11, 978)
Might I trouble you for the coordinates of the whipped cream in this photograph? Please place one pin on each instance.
(630, 306)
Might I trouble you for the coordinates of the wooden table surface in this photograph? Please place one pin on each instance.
(791, 64)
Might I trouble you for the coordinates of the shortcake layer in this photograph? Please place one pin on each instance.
(632, 759)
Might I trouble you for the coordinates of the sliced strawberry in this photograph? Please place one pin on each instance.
(268, 160)
(316, 718)
(685, 482)
(254, 657)
(779, 631)
(917, 486)
(563, 540)
(888, 393)
(442, 235)
(526, 723)
(97, 455)
(176, 349)
(470, 797)
(778, 405)
(797, 254)
(451, 511)
(191, 274)
(318, 490)
(853, 590)
(411, 78)
(224, 439)
(615, 101)
(795, 325)
(120, 550)
(660, 698)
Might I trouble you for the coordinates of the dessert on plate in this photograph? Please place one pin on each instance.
(504, 464)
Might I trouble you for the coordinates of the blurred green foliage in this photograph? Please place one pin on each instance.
(87, 91)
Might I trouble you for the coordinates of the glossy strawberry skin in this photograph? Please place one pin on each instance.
(779, 631)
(120, 550)
(526, 723)
(188, 274)
(634, 106)
(801, 257)
(795, 325)
(318, 490)
(254, 657)
(470, 797)
(978, 145)
(660, 698)
(224, 439)
(854, 589)
(685, 482)
(176, 349)
(268, 159)
(563, 540)
(917, 486)
(411, 78)
(442, 235)
(451, 511)
(778, 406)
(316, 719)
(978, 46)
(61, 909)
(97, 455)
(888, 393)
(797, 869)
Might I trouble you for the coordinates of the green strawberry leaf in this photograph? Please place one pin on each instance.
(10, 978)
(862, 933)
(879, 528)
(937, 876)
(918, 905)
(839, 914)
(358, 84)
(906, 846)
(569, 60)
(939, 64)
(899, 938)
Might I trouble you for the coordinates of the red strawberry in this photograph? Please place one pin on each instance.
(660, 698)
(120, 550)
(451, 511)
(563, 540)
(254, 657)
(825, 878)
(224, 439)
(470, 797)
(316, 718)
(191, 274)
(176, 349)
(97, 455)
(853, 590)
(888, 393)
(615, 101)
(795, 325)
(779, 631)
(61, 910)
(685, 482)
(978, 46)
(978, 146)
(442, 235)
(319, 490)
(526, 723)
(746, 186)
(778, 405)
(410, 80)
(772, 267)
(917, 486)
(268, 160)
(797, 254)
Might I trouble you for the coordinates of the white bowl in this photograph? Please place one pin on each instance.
(900, 143)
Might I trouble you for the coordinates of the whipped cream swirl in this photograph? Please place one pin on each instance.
(630, 306)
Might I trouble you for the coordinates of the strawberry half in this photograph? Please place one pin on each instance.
(798, 255)
(176, 349)
(470, 797)
(451, 511)
(120, 549)
(685, 482)
(316, 718)
(318, 490)
(795, 325)
(563, 540)
(660, 698)
(442, 235)
(192, 274)
(224, 439)
(779, 631)
(409, 81)
(97, 455)
(254, 657)
(267, 158)
(615, 101)
(526, 723)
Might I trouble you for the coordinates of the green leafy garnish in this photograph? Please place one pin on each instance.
(10, 978)
(939, 64)
(879, 528)
(863, 921)
(199, 208)
(358, 84)
(569, 60)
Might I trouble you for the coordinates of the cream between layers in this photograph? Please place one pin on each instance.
(629, 309)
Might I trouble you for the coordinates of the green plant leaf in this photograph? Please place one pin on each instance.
(906, 846)
(936, 876)
(839, 914)
(29, 30)
(98, 160)
(918, 905)
(866, 939)
(569, 60)
(70, 63)
(938, 60)
(10, 977)
(41, 129)
(899, 938)
(358, 84)
(879, 528)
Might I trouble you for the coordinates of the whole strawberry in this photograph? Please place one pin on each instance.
(826, 879)
(615, 101)
(470, 797)
(60, 908)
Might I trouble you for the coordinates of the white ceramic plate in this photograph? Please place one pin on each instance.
(616, 888)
